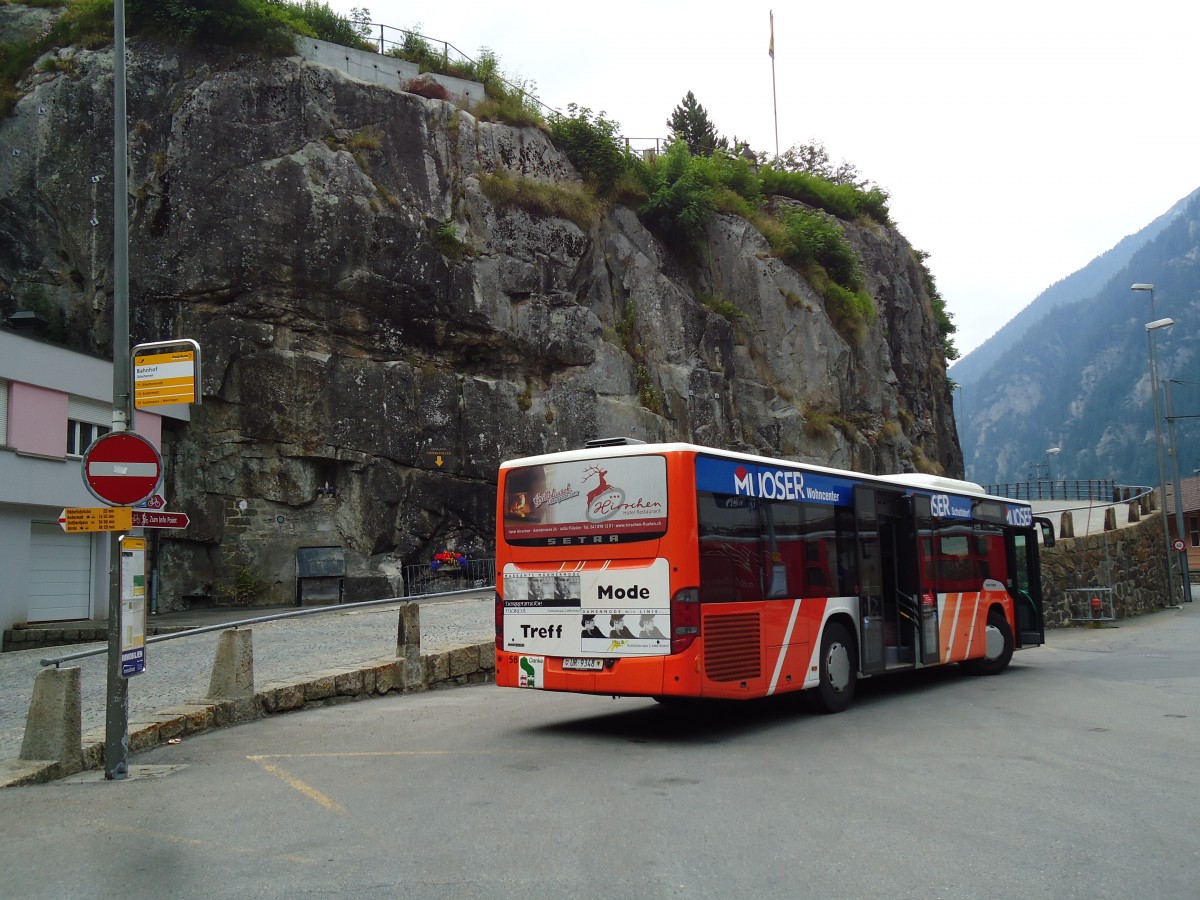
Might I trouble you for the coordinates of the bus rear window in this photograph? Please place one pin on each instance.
(586, 502)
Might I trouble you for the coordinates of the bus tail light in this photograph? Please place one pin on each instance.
(685, 618)
(499, 621)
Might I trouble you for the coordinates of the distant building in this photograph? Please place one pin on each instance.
(1191, 519)
(53, 403)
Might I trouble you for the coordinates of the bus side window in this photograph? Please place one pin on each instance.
(717, 579)
(730, 567)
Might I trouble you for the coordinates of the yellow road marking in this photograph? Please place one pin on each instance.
(306, 789)
(260, 759)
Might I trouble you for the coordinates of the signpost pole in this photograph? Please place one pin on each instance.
(116, 717)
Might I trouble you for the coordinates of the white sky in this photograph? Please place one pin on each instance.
(1017, 140)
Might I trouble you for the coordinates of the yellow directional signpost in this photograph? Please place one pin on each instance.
(166, 372)
(102, 518)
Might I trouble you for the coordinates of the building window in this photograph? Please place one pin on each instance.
(1194, 530)
(81, 434)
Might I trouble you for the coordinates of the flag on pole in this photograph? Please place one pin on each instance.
(771, 49)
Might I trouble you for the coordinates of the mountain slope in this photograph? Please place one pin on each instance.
(1080, 285)
(1080, 380)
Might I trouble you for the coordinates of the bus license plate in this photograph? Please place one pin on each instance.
(583, 665)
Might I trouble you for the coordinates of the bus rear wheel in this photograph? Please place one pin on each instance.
(838, 669)
(998, 647)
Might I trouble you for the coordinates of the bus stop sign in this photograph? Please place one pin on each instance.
(122, 468)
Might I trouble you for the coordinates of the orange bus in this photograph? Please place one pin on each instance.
(674, 570)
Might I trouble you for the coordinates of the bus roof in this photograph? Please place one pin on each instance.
(916, 480)
(936, 483)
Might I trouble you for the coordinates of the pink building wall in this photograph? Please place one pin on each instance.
(149, 426)
(37, 420)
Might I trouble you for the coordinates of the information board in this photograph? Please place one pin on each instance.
(133, 606)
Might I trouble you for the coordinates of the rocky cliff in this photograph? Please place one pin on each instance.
(370, 320)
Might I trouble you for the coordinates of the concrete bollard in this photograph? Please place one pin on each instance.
(1110, 518)
(233, 668)
(54, 724)
(408, 646)
(1066, 525)
(1133, 513)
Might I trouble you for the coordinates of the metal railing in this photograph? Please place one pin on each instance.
(387, 45)
(1104, 490)
(645, 148)
(273, 617)
(473, 574)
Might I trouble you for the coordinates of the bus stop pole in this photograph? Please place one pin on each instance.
(116, 710)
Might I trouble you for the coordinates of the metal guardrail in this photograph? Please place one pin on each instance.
(1136, 493)
(477, 573)
(1105, 490)
(316, 610)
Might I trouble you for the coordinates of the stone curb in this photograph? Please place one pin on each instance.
(469, 664)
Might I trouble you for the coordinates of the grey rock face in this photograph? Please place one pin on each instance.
(295, 223)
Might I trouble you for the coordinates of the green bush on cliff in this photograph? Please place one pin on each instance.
(270, 25)
(942, 317)
(681, 196)
(591, 144)
(543, 198)
(846, 201)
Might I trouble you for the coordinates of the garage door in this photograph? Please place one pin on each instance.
(60, 574)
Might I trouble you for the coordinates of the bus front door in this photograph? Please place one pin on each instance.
(889, 579)
(1026, 588)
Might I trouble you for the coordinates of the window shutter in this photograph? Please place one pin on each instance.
(84, 409)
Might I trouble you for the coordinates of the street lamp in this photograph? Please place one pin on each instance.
(1053, 451)
(1152, 327)
(1185, 579)
(1145, 287)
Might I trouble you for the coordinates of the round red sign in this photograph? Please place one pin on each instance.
(1178, 545)
(122, 468)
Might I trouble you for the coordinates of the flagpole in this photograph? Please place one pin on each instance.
(774, 98)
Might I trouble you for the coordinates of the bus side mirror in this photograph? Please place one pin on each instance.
(1047, 529)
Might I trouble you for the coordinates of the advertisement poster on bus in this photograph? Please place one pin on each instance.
(590, 612)
(586, 502)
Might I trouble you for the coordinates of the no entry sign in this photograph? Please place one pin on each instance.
(122, 468)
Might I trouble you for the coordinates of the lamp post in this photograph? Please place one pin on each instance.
(1185, 579)
(1152, 327)
(1053, 451)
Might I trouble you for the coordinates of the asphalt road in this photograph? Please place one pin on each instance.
(1073, 774)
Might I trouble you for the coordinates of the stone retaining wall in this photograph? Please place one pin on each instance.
(1129, 560)
(36, 636)
(25, 638)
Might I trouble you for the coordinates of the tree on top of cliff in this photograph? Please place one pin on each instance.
(689, 123)
(815, 159)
